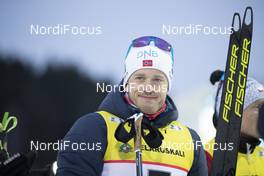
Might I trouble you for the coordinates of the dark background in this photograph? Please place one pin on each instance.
(45, 104)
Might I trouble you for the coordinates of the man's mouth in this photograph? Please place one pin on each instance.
(148, 97)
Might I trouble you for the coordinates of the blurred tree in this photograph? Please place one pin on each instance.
(46, 105)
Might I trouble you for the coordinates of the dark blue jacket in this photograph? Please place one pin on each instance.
(91, 129)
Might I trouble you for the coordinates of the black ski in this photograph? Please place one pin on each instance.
(231, 107)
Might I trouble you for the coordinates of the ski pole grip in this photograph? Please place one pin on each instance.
(138, 121)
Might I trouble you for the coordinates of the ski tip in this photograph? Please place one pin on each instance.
(245, 19)
(236, 22)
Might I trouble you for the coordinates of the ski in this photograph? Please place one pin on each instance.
(233, 93)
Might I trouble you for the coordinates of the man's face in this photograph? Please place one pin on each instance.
(147, 88)
(249, 126)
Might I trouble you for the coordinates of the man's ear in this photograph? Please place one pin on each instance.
(126, 88)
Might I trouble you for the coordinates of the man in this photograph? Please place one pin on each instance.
(109, 132)
(251, 156)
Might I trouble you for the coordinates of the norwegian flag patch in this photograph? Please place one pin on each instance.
(147, 63)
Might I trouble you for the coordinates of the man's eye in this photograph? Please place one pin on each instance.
(158, 80)
(139, 78)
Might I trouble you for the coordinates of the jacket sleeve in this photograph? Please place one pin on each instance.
(84, 147)
(199, 166)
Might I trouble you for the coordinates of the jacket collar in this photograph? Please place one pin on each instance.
(115, 103)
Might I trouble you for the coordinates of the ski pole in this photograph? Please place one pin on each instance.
(137, 143)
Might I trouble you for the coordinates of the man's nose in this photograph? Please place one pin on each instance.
(148, 86)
